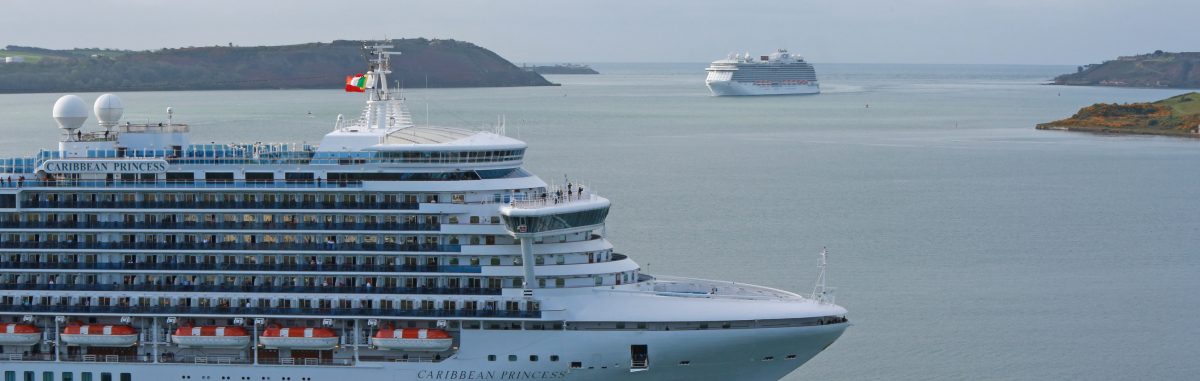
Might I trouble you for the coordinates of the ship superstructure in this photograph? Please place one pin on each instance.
(780, 73)
(389, 251)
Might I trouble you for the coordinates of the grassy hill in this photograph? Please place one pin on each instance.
(1158, 69)
(1177, 116)
(438, 63)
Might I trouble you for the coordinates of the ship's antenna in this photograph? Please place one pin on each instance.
(426, 99)
(821, 293)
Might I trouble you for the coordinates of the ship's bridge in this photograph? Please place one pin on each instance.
(528, 219)
(563, 215)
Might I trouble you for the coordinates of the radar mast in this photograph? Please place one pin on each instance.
(383, 111)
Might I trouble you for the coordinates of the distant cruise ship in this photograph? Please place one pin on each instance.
(389, 252)
(780, 73)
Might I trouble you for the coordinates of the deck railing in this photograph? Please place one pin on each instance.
(459, 269)
(115, 225)
(180, 184)
(251, 289)
(389, 313)
(232, 246)
(181, 205)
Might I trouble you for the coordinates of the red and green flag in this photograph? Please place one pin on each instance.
(356, 83)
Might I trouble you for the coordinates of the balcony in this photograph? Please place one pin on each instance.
(250, 289)
(112, 225)
(187, 205)
(268, 311)
(321, 268)
(275, 247)
(188, 184)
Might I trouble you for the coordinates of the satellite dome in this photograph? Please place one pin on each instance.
(108, 109)
(70, 112)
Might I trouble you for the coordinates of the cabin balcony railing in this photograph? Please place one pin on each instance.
(183, 205)
(27, 357)
(264, 311)
(113, 225)
(188, 184)
(250, 289)
(237, 246)
(459, 269)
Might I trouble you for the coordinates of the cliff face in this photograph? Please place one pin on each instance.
(1158, 69)
(432, 63)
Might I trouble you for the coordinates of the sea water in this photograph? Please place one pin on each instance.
(965, 244)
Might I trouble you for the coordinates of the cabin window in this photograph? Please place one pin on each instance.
(260, 176)
(298, 176)
(210, 177)
(180, 176)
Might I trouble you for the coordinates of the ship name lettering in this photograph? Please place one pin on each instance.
(106, 166)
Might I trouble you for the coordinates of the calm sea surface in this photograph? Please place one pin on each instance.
(965, 244)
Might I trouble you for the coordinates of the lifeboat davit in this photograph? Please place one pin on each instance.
(412, 339)
(299, 338)
(19, 334)
(210, 336)
(100, 335)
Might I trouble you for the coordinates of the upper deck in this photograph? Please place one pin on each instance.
(734, 62)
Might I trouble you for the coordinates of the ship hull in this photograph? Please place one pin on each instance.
(716, 354)
(737, 88)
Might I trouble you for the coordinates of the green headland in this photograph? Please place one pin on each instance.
(1158, 69)
(422, 63)
(1175, 116)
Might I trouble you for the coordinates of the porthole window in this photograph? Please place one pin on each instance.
(533, 358)
(512, 357)
(491, 357)
(553, 358)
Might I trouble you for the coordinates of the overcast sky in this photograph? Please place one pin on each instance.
(869, 31)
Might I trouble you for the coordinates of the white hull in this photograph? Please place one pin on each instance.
(22, 339)
(100, 340)
(416, 345)
(730, 354)
(733, 88)
(321, 343)
(212, 341)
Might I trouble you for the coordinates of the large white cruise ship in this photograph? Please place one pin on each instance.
(388, 252)
(780, 73)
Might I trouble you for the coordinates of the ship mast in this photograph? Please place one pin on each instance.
(379, 98)
(822, 293)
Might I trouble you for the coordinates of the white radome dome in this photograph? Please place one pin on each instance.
(70, 112)
(108, 109)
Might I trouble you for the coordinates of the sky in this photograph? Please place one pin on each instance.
(1067, 32)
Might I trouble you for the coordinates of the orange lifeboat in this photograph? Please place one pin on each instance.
(19, 334)
(99, 335)
(412, 339)
(299, 338)
(211, 336)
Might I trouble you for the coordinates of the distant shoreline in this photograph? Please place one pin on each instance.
(424, 63)
(1115, 131)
